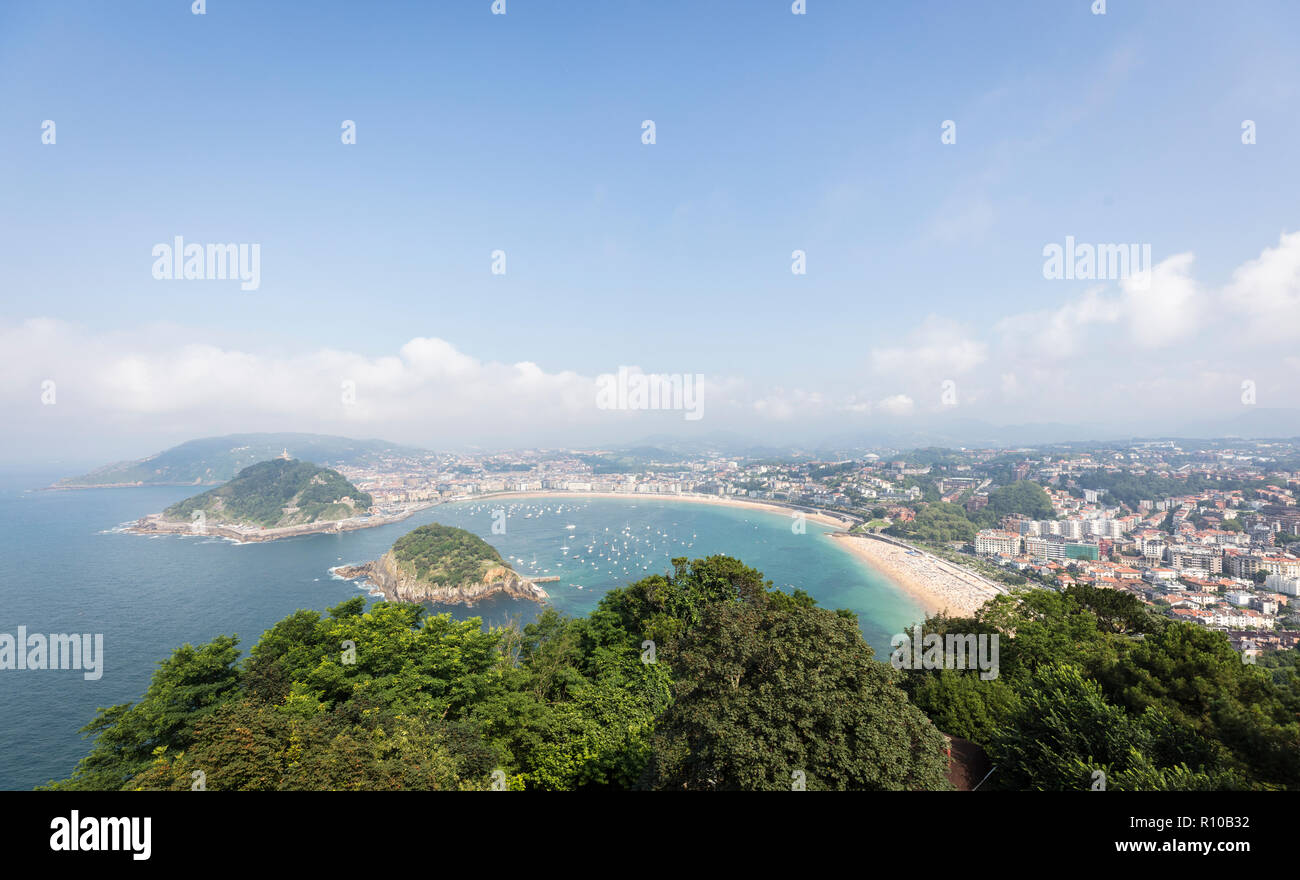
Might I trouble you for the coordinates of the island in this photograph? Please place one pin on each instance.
(274, 499)
(445, 565)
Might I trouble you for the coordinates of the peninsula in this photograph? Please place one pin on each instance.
(273, 499)
(445, 565)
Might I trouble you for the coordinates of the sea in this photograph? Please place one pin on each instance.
(69, 568)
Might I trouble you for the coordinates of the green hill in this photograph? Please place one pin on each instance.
(277, 493)
(213, 460)
(439, 554)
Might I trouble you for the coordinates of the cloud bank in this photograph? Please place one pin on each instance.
(1107, 352)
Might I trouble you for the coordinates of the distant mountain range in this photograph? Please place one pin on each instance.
(211, 461)
(215, 460)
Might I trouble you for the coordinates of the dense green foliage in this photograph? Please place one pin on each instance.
(260, 493)
(931, 456)
(937, 523)
(705, 678)
(755, 708)
(743, 686)
(1023, 497)
(445, 554)
(1091, 681)
(630, 461)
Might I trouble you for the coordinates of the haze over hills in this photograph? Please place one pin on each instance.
(214, 460)
(956, 430)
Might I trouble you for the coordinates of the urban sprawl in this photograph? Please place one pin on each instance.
(1201, 530)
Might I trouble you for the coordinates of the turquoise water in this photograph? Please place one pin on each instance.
(67, 570)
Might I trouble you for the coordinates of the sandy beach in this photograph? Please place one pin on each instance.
(936, 583)
(824, 518)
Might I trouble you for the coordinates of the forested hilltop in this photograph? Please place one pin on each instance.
(445, 555)
(940, 522)
(275, 494)
(744, 687)
(444, 565)
(1094, 687)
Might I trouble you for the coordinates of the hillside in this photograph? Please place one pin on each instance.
(445, 555)
(275, 494)
(213, 460)
(750, 681)
(430, 702)
(437, 563)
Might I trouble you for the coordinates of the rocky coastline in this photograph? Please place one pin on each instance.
(398, 586)
(156, 524)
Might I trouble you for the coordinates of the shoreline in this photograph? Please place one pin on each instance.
(76, 487)
(384, 576)
(154, 524)
(822, 517)
(935, 584)
(938, 585)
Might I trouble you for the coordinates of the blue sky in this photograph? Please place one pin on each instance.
(775, 132)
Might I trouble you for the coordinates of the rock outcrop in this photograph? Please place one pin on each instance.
(399, 585)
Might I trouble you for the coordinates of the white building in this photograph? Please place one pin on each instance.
(1046, 547)
(995, 542)
(1280, 583)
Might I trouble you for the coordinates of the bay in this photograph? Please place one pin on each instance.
(68, 569)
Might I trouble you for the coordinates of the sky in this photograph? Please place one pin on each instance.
(920, 155)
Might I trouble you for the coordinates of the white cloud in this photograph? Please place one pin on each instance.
(1128, 353)
(937, 348)
(781, 406)
(429, 386)
(897, 405)
(428, 393)
(1059, 334)
(1166, 310)
(1267, 290)
(1170, 351)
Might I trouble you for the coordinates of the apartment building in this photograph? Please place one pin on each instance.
(996, 542)
(1287, 586)
(1045, 547)
(1286, 566)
